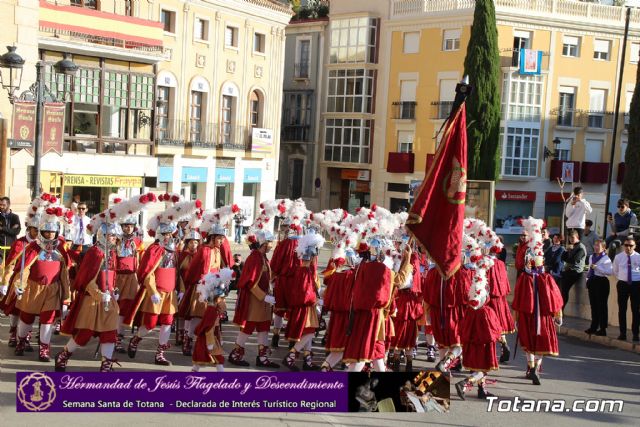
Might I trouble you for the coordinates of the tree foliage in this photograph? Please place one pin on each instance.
(482, 65)
(631, 183)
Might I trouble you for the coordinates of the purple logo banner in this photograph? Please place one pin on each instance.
(182, 392)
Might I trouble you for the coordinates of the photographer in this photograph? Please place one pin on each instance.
(9, 223)
(576, 212)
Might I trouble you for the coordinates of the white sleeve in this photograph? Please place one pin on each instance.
(587, 206)
(615, 266)
(605, 267)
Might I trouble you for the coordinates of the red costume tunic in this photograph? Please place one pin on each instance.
(253, 286)
(156, 278)
(410, 310)
(371, 295)
(301, 297)
(88, 312)
(446, 300)
(205, 336)
(225, 253)
(499, 288)
(206, 260)
(127, 281)
(537, 300)
(480, 330)
(283, 264)
(520, 254)
(11, 259)
(337, 301)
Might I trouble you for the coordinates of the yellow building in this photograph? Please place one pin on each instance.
(170, 96)
(560, 104)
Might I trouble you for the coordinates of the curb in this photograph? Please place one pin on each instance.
(606, 341)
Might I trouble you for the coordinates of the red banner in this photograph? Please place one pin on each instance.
(53, 128)
(24, 124)
(437, 215)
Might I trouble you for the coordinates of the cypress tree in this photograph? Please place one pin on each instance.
(631, 183)
(482, 65)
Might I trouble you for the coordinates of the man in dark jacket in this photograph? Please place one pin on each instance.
(9, 224)
(574, 260)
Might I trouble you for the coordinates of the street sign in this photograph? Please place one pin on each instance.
(19, 143)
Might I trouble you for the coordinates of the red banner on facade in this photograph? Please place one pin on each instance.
(53, 128)
(24, 124)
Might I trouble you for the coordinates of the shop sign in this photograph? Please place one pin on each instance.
(357, 174)
(261, 140)
(516, 196)
(103, 181)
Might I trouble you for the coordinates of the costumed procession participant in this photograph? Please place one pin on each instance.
(499, 286)
(156, 299)
(284, 261)
(480, 327)
(208, 259)
(537, 302)
(42, 286)
(254, 307)
(7, 289)
(191, 244)
(408, 307)
(129, 248)
(207, 350)
(95, 312)
(302, 298)
(425, 321)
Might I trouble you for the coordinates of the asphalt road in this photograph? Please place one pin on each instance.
(583, 371)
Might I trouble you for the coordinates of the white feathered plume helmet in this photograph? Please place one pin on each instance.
(479, 290)
(38, 207)
(535, 252)
(214, 221)
(126, 211)
(269, 209)
(486, 237)
(309, 245)
(214, 285)
(165, 221)
(296, 215)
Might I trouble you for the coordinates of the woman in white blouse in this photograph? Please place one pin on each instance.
(600, 267)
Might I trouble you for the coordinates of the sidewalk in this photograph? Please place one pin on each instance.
(575, 327)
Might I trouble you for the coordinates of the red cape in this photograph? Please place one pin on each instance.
(150, 259)
(251, 272)
(15, 251)
(284, 258)
(200, 351)
(520, 255)
(225, 253)
(199, 266)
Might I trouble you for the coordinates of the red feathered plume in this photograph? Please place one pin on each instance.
(46, 197)
(198, 204)
(235, 209)
(117, 200)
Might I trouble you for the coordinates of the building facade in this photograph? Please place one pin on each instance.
(560, 69)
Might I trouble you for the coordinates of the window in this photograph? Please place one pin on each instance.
(350, 91)
(200, 29)
(353, 40)
(520, 154)
(571, 46)
(227, 119)
(623, 150)
(255, 109)
(258, 42)
(521, 40)
(168, 19)
(303, 58)
(597, 101)
(405, 141)
(601, 49)
(195, 123)
(347, 140)
(129, 8)
(593, 150)
(635, 52)
(231, 37)
(566, 106)
(451, 40)
(411, 42)
(89, 4)
(524, 100)
(162, 112)
(627, 109)
(296, 120)
(447, 95)
(563, 150)
(406, 108)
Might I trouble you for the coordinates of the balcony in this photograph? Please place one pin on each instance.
(404, 110)
(301, 70)
(204, 135)
(400, 162)
(595, 172)
(116, 29)
(565, 116)
(557, 168)
(596, 120)
(91, 144)
(296, 133)
(510, 58)
(441, 109)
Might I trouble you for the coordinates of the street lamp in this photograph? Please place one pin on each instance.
(13, 63)
(553, 154)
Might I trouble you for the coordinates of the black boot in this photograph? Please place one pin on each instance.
(307, 364)
(409, 366)
(133, 346)
(395, 363)
(61, 360)
(20, 346)
(461, 388)
(482, 392)
(236, 357)
(290, 360)
(506, 353)
(160, 359)
(535, 377)
(262, 359)
(119, 348)
(275, 339)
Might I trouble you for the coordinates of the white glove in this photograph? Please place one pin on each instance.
(210, 347)
(116, 296)
(4, 289)
(106, 297)
(19, 290)
(155, 298)
(270, 299)
(180, 296)
(320, 302)
(558, 321)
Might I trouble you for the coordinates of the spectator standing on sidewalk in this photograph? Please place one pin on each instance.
(600, 267)
(574, 259)
(553, 258)
(238, 219)
(626, 267)
(589, 237)
(9, 224)
(576, 211)
(620, 221)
